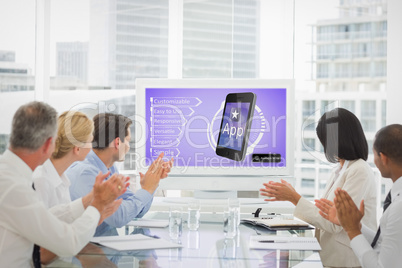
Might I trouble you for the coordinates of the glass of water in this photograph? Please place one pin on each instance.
(175, 222)
(234, 207)
(231, 218)
(193, 221)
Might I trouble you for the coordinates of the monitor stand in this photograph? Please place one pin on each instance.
(203, 194)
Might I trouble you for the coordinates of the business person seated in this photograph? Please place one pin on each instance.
(381, 248)
(344, 142)
(24, 220)
(111, 143)
(73, 143)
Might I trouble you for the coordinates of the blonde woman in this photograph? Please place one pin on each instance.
(73, 143)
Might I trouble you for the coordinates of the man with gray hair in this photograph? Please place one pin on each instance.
(24, 220)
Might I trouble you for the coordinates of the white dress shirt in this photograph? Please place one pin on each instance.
(51, 188)
(24, 220)
(387, 252)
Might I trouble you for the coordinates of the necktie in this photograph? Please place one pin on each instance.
(36, 251)
(387, 202)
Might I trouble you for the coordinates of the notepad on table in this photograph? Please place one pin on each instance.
(149, 223)
(284, 243)
(134, 242)
(279, 224)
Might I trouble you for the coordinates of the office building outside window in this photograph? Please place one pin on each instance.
(349, 71)
(220, 39)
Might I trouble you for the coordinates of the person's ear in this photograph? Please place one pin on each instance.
(76, 150)
(47, 146)
(116, 143)
(384, 159)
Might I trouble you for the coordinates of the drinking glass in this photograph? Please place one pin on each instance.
(193, 221)
(175, 222)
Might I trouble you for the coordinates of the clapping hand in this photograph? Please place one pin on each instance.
(106, 191)
(110, 209)
(327, 210)
(166, 165)
(150, 180)
(348, 214)
(280, 191)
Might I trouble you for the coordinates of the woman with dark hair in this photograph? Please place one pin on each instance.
(344, 142)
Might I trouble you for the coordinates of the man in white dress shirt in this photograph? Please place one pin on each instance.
(384, 247)
(24, 220)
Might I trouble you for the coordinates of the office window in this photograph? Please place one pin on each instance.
(325, 170)
(343, 51)
(93, 68)
(308, 170)
(380, 49)
(308, 183)
(368, 115)
(307, 161)
(362, 50)
(322, 70)
(370, 143)
(348, 105)
(308, 114)
(361, 69)
(348, 55)
(132, 42)
(328, 105)
(335, 50)
(4, 138)
(221, 39)
(383, 113)
(380, 69)
(326, 52)
(309, 145)
(17, 61)
(342, 70)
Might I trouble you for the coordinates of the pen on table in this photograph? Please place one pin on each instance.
(272, 241)
(154, 236)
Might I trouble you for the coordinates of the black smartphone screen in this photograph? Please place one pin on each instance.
(235, 125)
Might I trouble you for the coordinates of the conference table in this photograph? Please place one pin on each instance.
(206, 247)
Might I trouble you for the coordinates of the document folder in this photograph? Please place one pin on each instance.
(279, 224)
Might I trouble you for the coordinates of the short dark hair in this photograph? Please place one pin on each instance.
(107, 127)
(342, 136)
(388, 141)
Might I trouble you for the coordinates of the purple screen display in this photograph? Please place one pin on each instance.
(184, 123)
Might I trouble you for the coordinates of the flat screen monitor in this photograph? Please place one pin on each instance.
(216, 128)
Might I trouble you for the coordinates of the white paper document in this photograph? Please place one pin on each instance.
(133, 242)
(149, 223)
(285, 243)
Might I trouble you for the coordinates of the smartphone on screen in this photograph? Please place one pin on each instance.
(235, 126)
